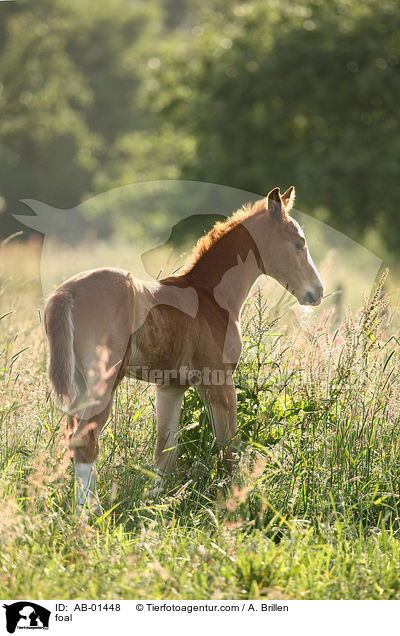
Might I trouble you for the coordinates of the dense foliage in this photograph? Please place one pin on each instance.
(248, 94)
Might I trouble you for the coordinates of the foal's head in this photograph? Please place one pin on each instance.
(286, 257)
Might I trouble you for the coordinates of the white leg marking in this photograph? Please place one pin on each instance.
(86, 493)
(159, 483)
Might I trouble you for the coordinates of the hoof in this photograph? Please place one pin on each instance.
(89, 508)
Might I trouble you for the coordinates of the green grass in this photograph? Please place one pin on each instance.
(312, 511)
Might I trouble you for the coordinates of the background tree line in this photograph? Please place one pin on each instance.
(248, 94)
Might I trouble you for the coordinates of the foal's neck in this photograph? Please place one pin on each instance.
(230, 266)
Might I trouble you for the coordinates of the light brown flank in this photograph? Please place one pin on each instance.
(105, 324)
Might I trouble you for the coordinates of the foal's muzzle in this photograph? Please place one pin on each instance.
(313, 298)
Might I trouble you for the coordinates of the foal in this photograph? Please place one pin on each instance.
(182, 330)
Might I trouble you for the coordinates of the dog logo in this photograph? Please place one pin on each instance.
(26, 615)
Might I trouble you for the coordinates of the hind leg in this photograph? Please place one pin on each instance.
(85, 445)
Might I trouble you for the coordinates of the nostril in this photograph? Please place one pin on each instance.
(309, 298)
(313, 297)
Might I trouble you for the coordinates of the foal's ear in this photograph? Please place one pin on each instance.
(274, 203)
(288, 198)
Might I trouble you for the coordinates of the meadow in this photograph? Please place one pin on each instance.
(312, 510)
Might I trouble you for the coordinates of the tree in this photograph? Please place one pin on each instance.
(305, 93)
(69, 75)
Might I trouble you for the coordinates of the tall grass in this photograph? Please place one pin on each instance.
(311, 511)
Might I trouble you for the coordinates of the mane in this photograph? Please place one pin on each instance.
(220, 229)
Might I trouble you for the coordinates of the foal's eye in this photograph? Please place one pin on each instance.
(300, 246)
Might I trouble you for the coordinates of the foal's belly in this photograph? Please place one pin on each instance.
(167, 359)
(157, 371)
(182, 368)
(172, 348)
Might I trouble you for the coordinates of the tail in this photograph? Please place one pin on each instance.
(60, 334)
